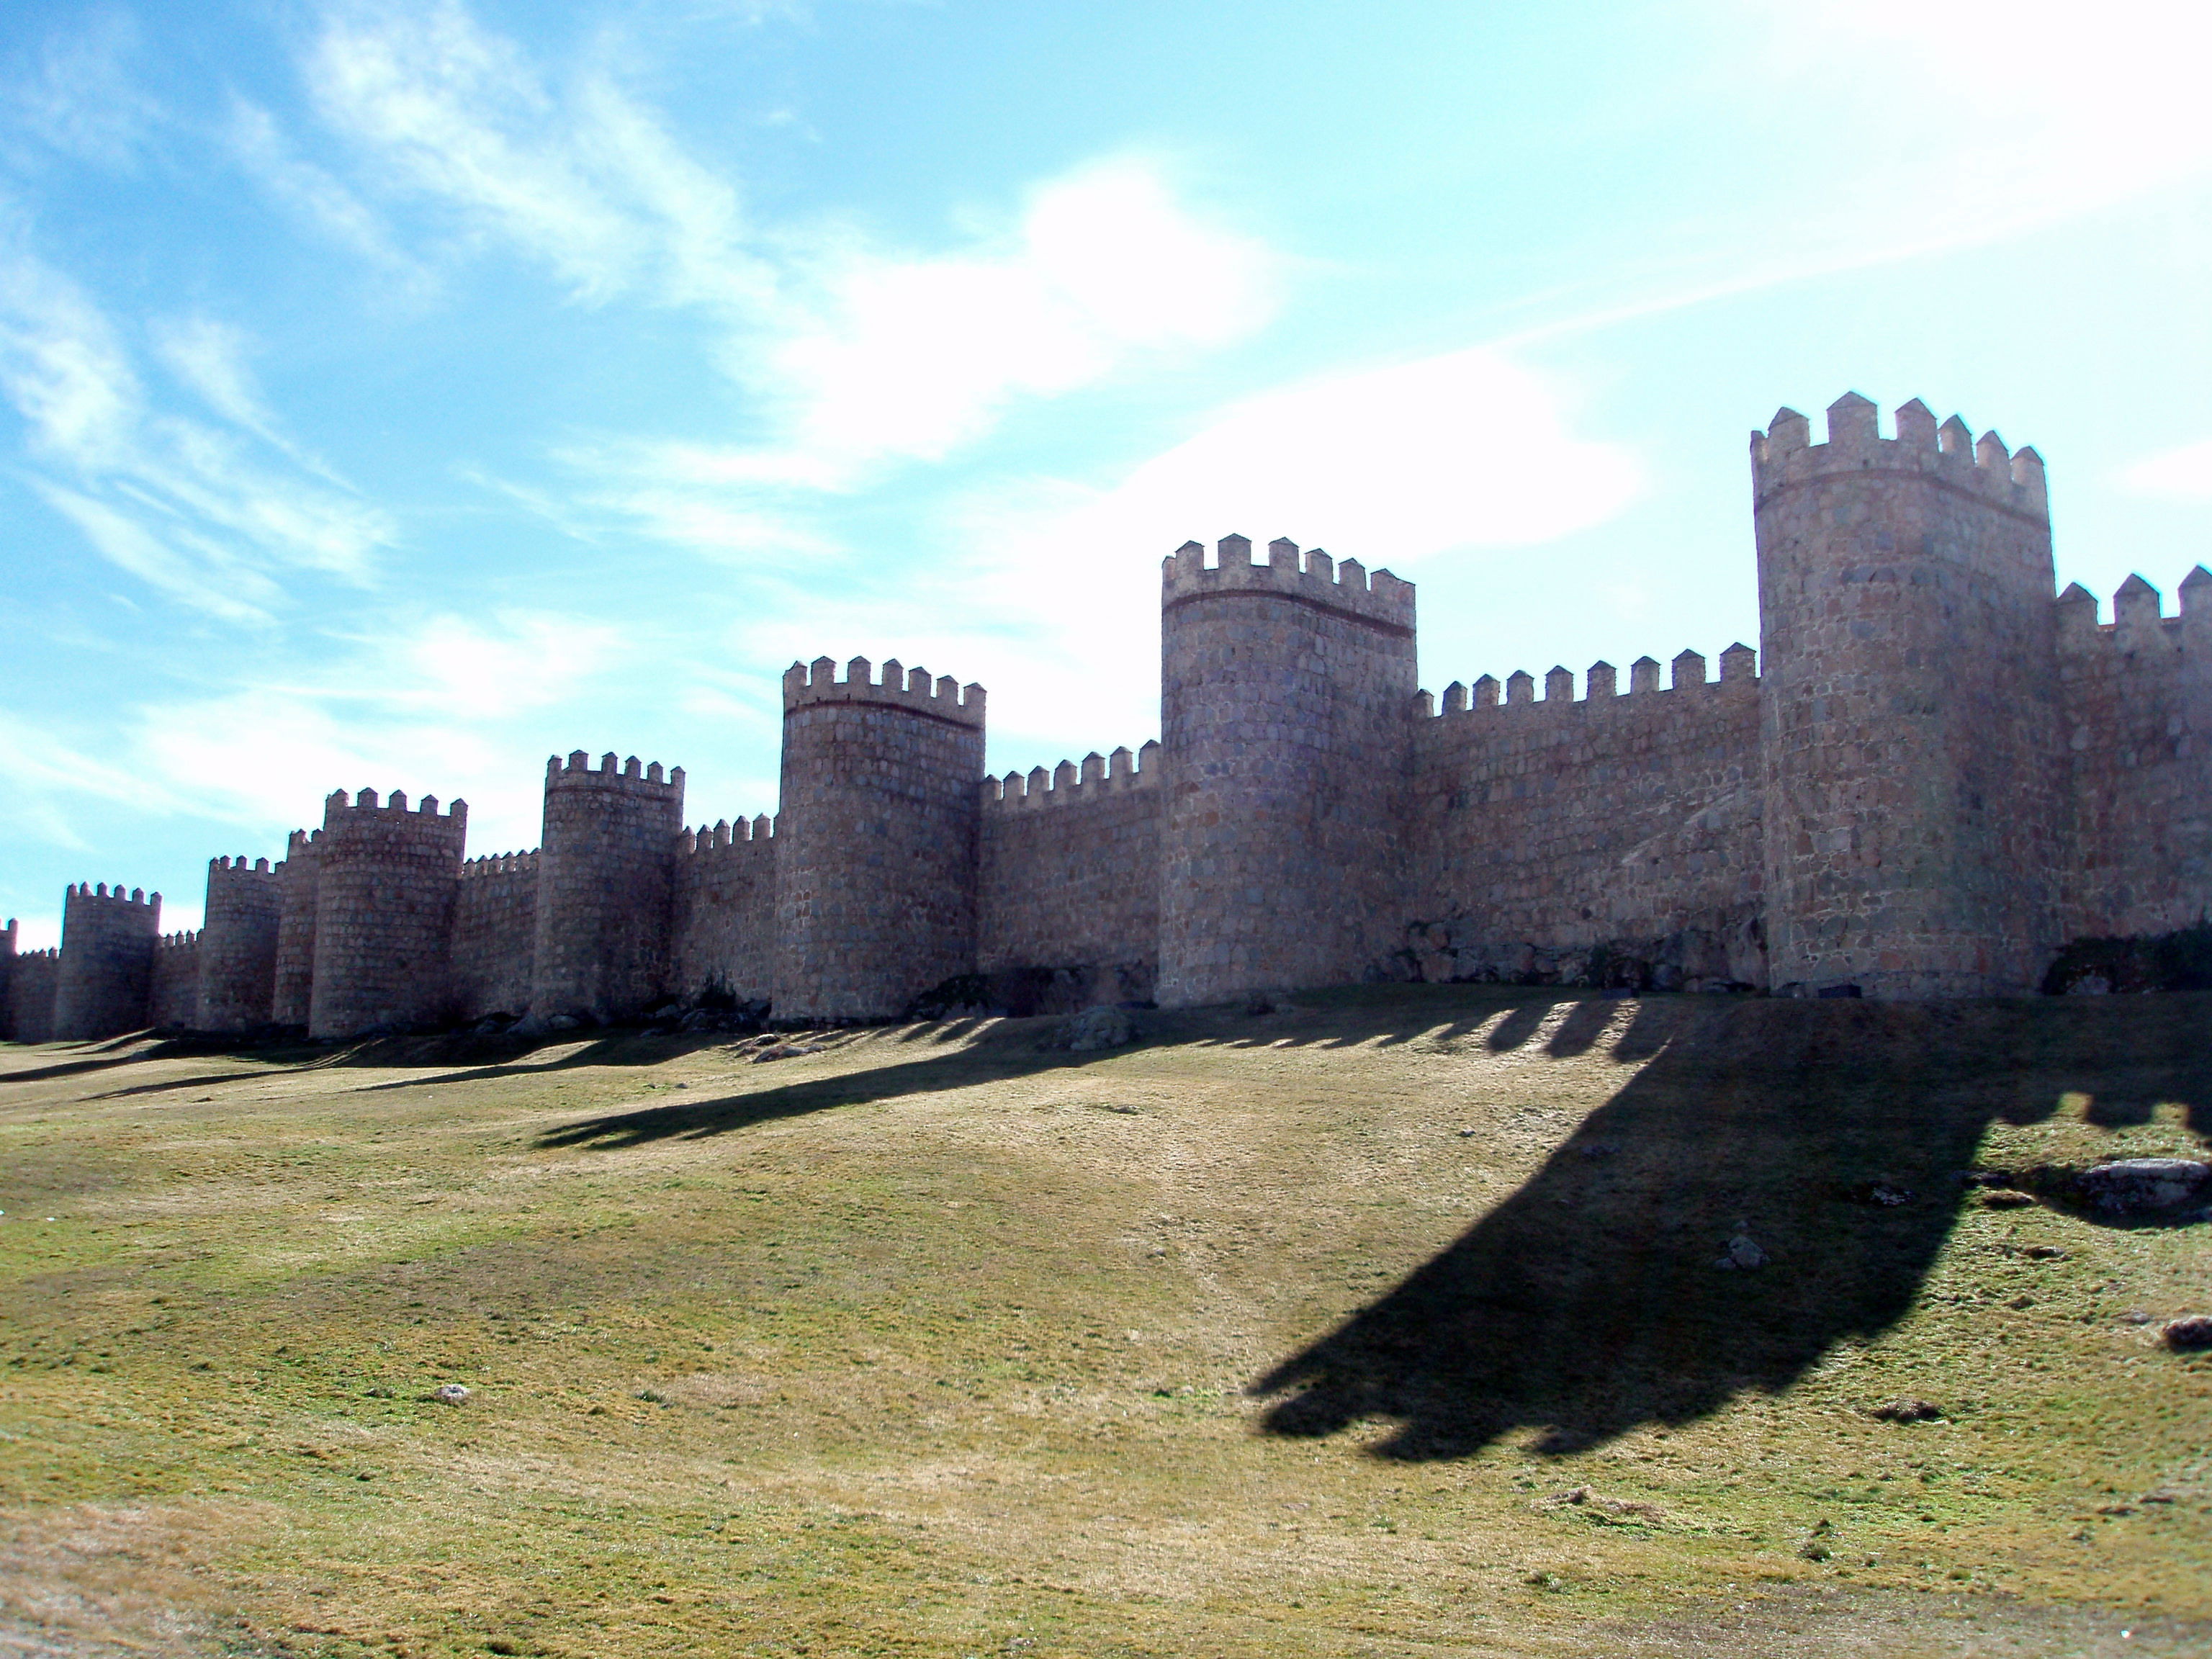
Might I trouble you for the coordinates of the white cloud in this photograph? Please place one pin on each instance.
(178, 502)
(434, 707)
(312, 193)
(862, 356)
(454, 112)
(82, 100)
(2175, 475)
(912, 357)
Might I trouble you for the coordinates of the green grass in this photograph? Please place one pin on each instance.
(1277, 1335)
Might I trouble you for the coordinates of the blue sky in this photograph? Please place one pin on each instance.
(393, 394)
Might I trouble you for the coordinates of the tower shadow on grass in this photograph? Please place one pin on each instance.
(1590, 1303)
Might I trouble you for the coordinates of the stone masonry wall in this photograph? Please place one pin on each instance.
(237, 945)
(1914, 827)
(1070, 872)
(106, 962)
(31, 983)
(2135, 708)
(1286, 696)
(725, 928)
(605, 894)
(292, 995)
(876, 845)
(173, 999)
(385, 907)
(1544, 831)
(494, 935)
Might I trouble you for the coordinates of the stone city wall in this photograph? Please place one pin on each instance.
(31, 980)
(2136, 711)
(1931, 778)
(494, 936)
(724, 907)
(1544, 828)
(1070, 876)
(172, 997)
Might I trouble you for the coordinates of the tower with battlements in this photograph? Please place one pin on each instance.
(605, 887)
(385, 894)
(237, 964)
(876, 844)
(1286, 697)
(106, 974)
(1909, 722)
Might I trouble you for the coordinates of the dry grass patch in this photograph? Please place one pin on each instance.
(1290, 1334)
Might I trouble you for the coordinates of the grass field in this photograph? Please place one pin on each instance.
(1388, 1324)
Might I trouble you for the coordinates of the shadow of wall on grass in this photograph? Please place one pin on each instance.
(1592, 1303)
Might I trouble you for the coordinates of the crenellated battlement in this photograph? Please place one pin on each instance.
(186, 940)
(338, 808)
(1739, 672)
(1784, 455)
(87, 893)
(900, 687)
(755, 834)
(1312, 578)
(1069, 785)
(500, 864)
(577, 772)
(2139, 622)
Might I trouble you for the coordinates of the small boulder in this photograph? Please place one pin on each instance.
(2144, 1185)
(2190, 1334)
(1094, 1029)
(1743, 1251)
(1907, 1410)
(451, 1394)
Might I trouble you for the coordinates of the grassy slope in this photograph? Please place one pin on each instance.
(1233, 1344)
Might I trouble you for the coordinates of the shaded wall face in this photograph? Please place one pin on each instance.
(174, 999)
(1543, 831)
(494, 936)
(238, 948)
(1073, 883)
(292, 992)
(1910, 734)
(1286, 733)
(385, 902)
(106, 971)
(31, 984)
(726, 926)
(605, 894)
(2135, 715)
(876, 857)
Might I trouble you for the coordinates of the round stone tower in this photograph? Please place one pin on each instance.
(1908, 727)
(604, 887)
(1286, 703)
(384, 912)
(876, 842)
(237, 945)
(294, 991)
(106, 972)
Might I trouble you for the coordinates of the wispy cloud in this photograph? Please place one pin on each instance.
(180, 503)
(438, 705)
(79, 96)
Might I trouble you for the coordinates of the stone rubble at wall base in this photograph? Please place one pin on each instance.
(1935, 779)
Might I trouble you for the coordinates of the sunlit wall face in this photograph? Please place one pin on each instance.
(396, 394)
